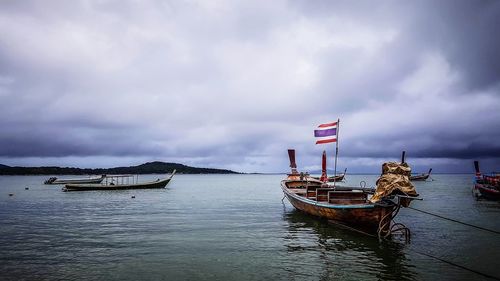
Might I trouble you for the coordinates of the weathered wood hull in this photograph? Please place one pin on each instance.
(364, 216)
(148, 185)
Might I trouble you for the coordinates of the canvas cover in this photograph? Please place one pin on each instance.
(395, 179)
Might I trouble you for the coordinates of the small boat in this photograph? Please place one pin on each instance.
(351, 206)
(120, 182)
(486, 186)
(421, 177)
(55, 180)
(336, 178)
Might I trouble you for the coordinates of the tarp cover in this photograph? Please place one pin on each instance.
(395, 179)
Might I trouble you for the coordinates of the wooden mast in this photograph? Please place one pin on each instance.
(293, 165)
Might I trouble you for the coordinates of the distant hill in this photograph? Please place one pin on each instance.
(146, 168)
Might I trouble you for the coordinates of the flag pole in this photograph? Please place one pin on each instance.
(336, 153)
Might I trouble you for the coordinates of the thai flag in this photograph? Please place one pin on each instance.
(326, 133)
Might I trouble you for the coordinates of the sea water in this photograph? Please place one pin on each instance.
(234, 227)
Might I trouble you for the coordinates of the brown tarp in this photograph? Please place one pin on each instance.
(395, 179)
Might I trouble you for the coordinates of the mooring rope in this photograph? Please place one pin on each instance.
(418, 252)
(423, 253)
(454, 220)
(455, 264)
(351, 228)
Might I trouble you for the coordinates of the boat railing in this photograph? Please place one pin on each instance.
(329, 194)
(120, 179)
(335, 196)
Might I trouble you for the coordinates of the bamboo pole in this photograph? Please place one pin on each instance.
(336, 152)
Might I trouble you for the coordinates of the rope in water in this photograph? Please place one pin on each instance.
(457, 221)
(454, 264)
(419, 252)
(429, 255)
(449, 262)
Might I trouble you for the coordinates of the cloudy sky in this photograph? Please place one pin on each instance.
(234, 84)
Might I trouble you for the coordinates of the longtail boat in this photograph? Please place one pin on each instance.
(114, 183)
(337, 178)
(351, 206)
(55, 180)
(486, 186)
(421, 177)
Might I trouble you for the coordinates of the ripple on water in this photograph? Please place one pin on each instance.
(228, 227)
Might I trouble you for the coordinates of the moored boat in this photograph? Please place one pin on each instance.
(352, 206)
(337, 178)
(486, 186)
(55, 180)
(115, 184)
(421, 177)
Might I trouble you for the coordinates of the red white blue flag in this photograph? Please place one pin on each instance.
(326, 133)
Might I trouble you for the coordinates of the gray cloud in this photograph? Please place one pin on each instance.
(233, 85)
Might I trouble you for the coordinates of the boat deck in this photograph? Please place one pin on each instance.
(120, 185)
(334, 196)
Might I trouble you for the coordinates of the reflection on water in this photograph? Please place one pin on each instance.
(231, 227)
(328, 252)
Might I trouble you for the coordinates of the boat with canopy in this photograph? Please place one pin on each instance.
(120, 182)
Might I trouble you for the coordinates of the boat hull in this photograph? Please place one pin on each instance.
(488, 191)
(419, 178)
(148, 185)
(76, 181)
(486, 185)
(337, 178)
(366, 217)
(333, 178)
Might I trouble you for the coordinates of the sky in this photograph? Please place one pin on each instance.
(234, 84)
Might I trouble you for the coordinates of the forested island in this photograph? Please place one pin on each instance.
(156, 167)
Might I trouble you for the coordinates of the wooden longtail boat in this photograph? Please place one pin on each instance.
(486, 186)
(345, 205)
(54, 180)
(421, 177)
(116, 185)
(336, 178)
